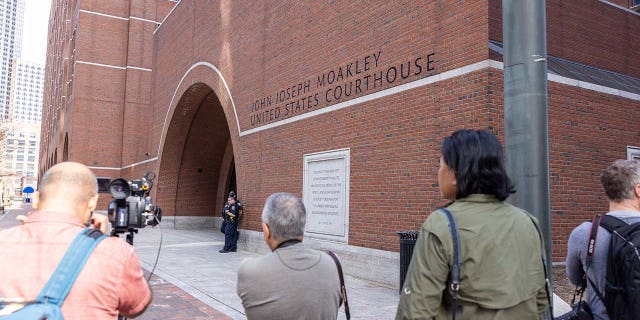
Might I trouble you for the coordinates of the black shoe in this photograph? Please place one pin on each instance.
(232, 250)
(223, 251)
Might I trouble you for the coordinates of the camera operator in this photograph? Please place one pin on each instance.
(231, 214)
(111, 281)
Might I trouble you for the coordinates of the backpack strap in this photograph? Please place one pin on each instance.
(455, 266)
(60, 283)
(593, 235)
(343, 288)
(607, 222)
(612, 223)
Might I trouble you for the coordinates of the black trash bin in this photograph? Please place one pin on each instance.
(407, 242)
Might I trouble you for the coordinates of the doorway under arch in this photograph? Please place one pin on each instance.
(65, 148)
(197, 156)
(231, 179)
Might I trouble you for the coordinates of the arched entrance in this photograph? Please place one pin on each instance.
(196, 164)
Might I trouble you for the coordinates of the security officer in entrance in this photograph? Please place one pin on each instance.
(231, 214)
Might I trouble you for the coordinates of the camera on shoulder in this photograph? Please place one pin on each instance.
(131, 207)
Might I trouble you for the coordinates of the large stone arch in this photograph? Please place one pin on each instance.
(196, 149)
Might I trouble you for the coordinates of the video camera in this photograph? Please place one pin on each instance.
(131, 206)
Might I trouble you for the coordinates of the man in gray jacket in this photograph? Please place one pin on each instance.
(621, 182)
(293, 281)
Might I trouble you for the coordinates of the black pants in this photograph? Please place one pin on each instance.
(231, 236)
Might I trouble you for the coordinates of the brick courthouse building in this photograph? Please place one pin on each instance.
(344, 103)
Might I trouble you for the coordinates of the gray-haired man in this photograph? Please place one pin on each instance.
(293, 281)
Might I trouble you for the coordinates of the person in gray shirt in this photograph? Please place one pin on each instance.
(293, 281)
(621, 182)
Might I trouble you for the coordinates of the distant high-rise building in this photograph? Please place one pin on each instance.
(19, 158)
(11, 21)
(20, 132)
(28, 88)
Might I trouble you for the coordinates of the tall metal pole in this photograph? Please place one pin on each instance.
(526, 111)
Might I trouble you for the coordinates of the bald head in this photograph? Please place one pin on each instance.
(70, 181)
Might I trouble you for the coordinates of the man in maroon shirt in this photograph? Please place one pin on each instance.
(111, 281)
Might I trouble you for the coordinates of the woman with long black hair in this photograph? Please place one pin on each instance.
(501, 275)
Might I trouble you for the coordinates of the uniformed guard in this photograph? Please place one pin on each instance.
(232, 212)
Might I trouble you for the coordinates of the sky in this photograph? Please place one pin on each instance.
(34, 33)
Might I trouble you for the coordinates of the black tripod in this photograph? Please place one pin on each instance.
(116, 233)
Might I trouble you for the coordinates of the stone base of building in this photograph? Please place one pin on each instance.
(190, 222)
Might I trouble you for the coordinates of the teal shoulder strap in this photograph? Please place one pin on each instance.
(60, 283)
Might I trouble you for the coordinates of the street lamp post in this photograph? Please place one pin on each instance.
(526, 110)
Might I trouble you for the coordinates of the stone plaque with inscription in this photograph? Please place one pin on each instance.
(326, 194)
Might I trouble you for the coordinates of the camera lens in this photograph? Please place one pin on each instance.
(119, 189)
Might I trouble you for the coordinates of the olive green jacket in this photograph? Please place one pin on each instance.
(501, 271)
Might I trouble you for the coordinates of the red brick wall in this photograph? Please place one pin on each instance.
(588, 131)
(394, 141)
(106, 113)
(622, 3)
(104, 110)
(95, 137)
(102, 39)
(59, 68)
(589, 32)
(178, 127)
(256, 64)
(394, 146)
(151, 9)
(114, 8)
(201, 162)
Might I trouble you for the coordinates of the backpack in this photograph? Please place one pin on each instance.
(621, 294)
(47, 305)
